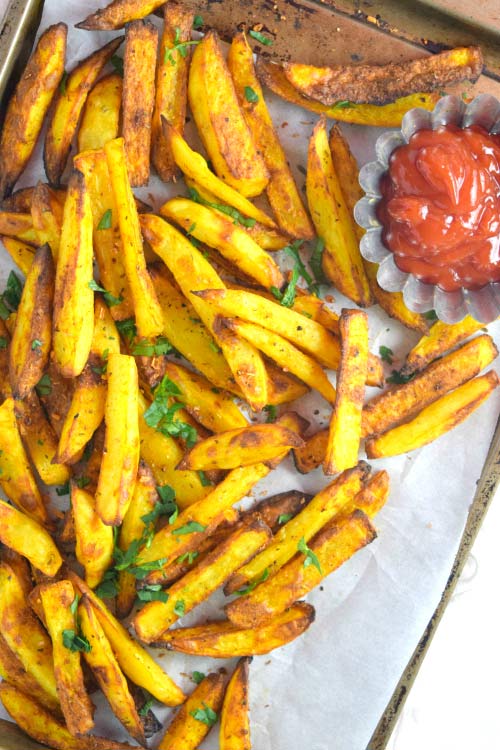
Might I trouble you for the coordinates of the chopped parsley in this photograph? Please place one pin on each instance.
(180, 608)
(251, 586)
(11, 297)
(106, 220)
(197, 22)
(109, 298)
(284, 518)
(230, 211)
(180, 47)
(166, 506)
(74, 642)
(189, 528)
(161, 416)
(198, 677)
(399, 378)
(146, 707)
(127, 329)
(205, 481)
(117, 63)
(430, 315)
(342, 104)
(36, 344)
(386, 354)
(250, 95)
(188, 557)
(260, 38)
(63, 83)
(44, 385)
(152, 593)
(74, 605)
(293, 251)
(206, 715)
(310, 557)
(3, 342)
(272, 413)
(316, 261)
(150, 349)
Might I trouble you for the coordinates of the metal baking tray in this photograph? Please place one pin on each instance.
(386, 31)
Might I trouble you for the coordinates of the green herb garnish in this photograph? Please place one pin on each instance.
(152, 593)
(230, 211)
(260, 38)
(386, 354)
(250, 95)
(109, 298)
(74, 642)
(189, 528)
(161, 416)
(106, 220)
(251, 586)
(206, 715)
(44, 386)
(180, 47)
(310, 557)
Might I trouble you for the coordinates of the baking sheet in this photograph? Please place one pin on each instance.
(328, 689)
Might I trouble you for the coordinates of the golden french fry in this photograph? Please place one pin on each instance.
(345, 424)
(433, 421)
(13, 672)
(67, 109)
(380, 84)
(333, 545)
(118, 13)
(281, 189)
(220, 121)
(40, 440)
(121, 446)
(29, 104)
(234, 731)
(441, 338)
(198, 584)
(312, 453)
(21, 253)
(73, 298)
(47, 214)
(282, 387)
(393, 303)
(55, 396)
(94, 540)
(101, 115)
(19, 201)
(141, 42)
(149, 319)
(372, 497)
(24, 535)
(19, 226)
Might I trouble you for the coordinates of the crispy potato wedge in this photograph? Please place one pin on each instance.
(141, 43)
(122, 444)
(200, 583)
(372, 497)
(19, 201)
(335, 543)
(28, 106)
(234, 733)
(24, 535)
(380, 84)
(118, 13)
(148, 315)
(16, 477)
(171, 86)
(441, 338)
(344, 435)
(220, 121)
(94, 539)
(106, 669)
(393, 303)
(314, 308)
(341, 259)
(133, 659)
(21, 567)
(312, 453)
(224, 235)
(47, 214)
(73, 321)
(223, 640)
(67, 109)
(386, 115)
(31, 339)
(433, 421)
(186, 731)
(21, 253)
(281, 189)
(100, 121)
(19, 226)
(241, 447)
(55, 396)
(13, 672)
(40, 440)
(76, 705)
(282, 387)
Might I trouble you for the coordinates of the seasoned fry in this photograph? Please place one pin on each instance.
(141, 42)
(47, 213)
(121, 445)
(19, 201)
(12, 671)
(341, 259)
(21, 253)
(29, 104)
(344, 434)
(372, 497)
(24, 535)
(100, 121)
(40, 440)
(223, 640)
(393, 303)
(31, 339)
(444, 414)
(186, 731)
(220, 121)
(94, 540)
(73, 299)
(118, 13)
(380, 84)
(312, 453)
(19, 226)
(441, 337)
(76, 705)
(234, 719)
(282, 387)
(224, 235)
(281, 189)
(332, 546)
(171, 86)
(386, 115)
(68, 107)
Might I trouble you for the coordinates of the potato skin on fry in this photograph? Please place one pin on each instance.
(118, 13)
(94, 540)
(27, 108)
(28, 538)
(13, 672)
(234, 731)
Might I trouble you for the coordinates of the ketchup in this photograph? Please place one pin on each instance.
(440, 207)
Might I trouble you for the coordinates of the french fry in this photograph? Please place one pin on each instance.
(19, 201)
(344, 434)
(55, 396)
(171, 86)
(198, 584)
(13, 672)
(385, 115)
(323, 507)
(5, 387)
(186, 731)
(31, 339)
(94, 540)
(223, 640)
(341, 259)
(67, 109)
(57, 599)
(105, 667)
(312, 453)
(40, 440)
(440, 338)
(281, 189)
(16, 477)
(433, 421)
(234, 731)
(149, 319)
(393, 303)
(220, 121)
(372, 497)
(73, 321)
(282, 387)
(133, 659)
(100, 121)
(27, 108)
(380, 84)
(47, 214)
(19, 226)
(122, 444)
(118, 13)
(333, 545)
(241, 447)
(21, 567)
(27, 537)
(224, 235)
(21, 253)
(141, 42)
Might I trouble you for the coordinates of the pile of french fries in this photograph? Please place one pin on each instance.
(122, 355)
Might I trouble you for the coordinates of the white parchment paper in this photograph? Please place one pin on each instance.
(328, 689)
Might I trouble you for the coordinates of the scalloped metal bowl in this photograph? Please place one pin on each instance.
(483, 304)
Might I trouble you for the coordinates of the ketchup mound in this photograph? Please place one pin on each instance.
(440, 207)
